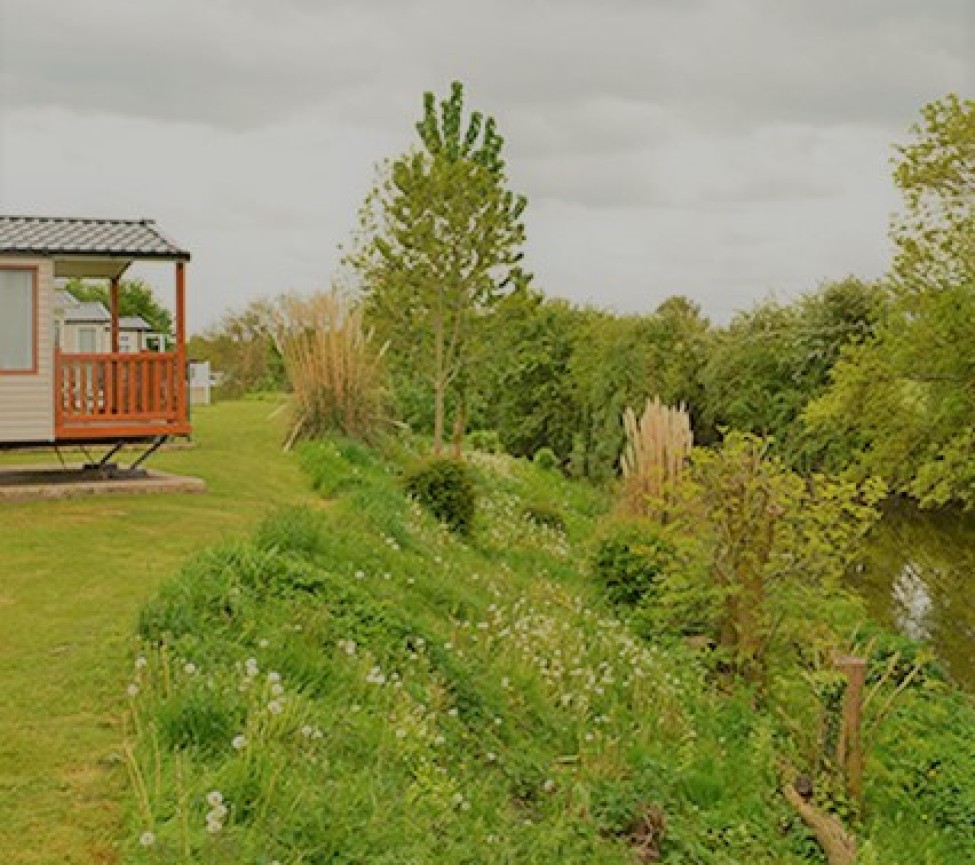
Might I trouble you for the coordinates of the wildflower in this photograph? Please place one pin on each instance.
(147, 839)
(132, 690)
(400, 733)
(189, 668)
(263, 643)
(141, 662)
(239, 742)
(251, 668)
(277, 690)
(347, 646)
(275, 707)
(439, 740)
(214, 827)
(359, 575)
(549, 785)
(214, 798)
(274, 677)
(376, 677)
(307, 730)
(491, 756)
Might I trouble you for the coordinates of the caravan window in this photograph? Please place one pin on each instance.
(18, 320)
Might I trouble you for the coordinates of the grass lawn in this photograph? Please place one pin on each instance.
(73, 575)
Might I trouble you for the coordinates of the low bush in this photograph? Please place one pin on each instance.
(545, 458)
(629, 558)
(545, 515)
(485, 440)
(446, 487)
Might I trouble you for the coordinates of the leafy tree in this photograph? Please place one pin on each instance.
(242, 348)
(440, 244)
(526, 383)
(135, 298)
(903, 403)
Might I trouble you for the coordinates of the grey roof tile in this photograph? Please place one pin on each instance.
(56, 236)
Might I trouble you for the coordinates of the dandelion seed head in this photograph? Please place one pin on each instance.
(214, 798)
(147, 839)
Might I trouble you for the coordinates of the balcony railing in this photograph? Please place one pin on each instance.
(119, 393)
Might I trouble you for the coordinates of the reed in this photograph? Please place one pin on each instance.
(654, 456)
(334, 368)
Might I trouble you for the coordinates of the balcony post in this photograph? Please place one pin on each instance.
(114, 303)
(181, 371)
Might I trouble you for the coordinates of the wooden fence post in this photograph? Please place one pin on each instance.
(849, 746)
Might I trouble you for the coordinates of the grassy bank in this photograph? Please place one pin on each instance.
(73, 575)
(354, 684)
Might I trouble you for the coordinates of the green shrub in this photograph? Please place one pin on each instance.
(546, 459)
(290, 530)
(485, 440)
(544, 514)
(629, 559)
(446, 487)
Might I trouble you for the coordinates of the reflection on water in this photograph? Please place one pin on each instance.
(912, 602)
(919, 576)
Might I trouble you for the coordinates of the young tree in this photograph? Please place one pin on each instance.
(135, 298)
(440, 244)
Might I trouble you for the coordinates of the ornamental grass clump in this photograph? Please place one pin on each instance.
(654, 456)
(334, 367)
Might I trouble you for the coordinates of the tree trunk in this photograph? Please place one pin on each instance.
(460, 424)
(439, 385)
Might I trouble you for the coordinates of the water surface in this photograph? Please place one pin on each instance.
(919, 577)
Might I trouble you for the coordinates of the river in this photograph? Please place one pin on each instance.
(919, 577)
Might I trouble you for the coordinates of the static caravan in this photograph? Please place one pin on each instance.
(86, 327)
(59, 387)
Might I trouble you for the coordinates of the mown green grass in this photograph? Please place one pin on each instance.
(73, 575)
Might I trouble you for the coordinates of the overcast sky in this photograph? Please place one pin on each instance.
(722, 149)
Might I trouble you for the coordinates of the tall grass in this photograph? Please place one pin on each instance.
(335, 370)
(654, 455)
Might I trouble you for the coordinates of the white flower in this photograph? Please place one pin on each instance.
(548, 786)
(141, 662)
(347, 646)
(491, 756)
(214, 798)
(263, 643)
(217, 813)
(359, 575)
(147, 839)
(277, 690)
(189, 668)
(376, 677)
(274, 677)
(439, 740)
(239, 742)
(132, 690)
(251, 667)
(275, 707)
(213, 826)
(400, 733)
(307, 731)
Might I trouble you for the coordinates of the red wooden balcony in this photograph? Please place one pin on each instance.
(119, 395)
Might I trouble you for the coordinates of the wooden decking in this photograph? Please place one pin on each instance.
(119, 395)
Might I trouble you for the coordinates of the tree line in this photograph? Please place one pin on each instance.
(856, 378)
